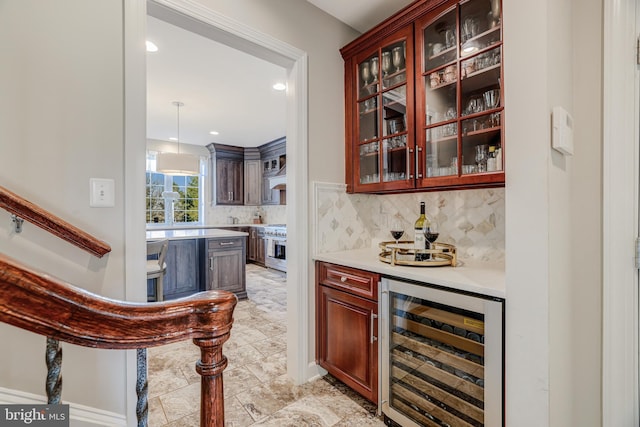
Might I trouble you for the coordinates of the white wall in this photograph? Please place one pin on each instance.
(585, 299)
(61, 123)
(553, 214)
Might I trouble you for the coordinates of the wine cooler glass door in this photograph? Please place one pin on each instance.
(442, 357)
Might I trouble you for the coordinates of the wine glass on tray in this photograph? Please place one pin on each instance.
(397, 230)
(431, 234)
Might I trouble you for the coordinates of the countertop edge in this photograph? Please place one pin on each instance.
(472, 276)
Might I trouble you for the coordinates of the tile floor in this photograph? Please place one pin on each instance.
(257, 390)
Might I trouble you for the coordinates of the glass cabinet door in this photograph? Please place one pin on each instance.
(459, 127)
(385, 147)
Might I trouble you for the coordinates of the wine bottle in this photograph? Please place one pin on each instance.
(419, 241)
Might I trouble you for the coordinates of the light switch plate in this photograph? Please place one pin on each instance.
(562, 131)
(101, 193)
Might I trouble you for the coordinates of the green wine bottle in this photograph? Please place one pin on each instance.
(419, 242)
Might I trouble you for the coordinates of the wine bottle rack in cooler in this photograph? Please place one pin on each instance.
(442, 357)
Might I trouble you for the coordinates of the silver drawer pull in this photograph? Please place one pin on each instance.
(343, 279)
(374, 338)
(227, 243)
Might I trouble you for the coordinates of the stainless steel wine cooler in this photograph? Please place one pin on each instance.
(441, 356)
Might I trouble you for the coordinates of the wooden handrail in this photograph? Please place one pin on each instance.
(28, 211)
(48, 306)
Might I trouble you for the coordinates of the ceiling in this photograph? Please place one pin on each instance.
(224, 89)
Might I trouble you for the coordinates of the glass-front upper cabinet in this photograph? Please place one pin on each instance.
(459, 95)
(383, 152)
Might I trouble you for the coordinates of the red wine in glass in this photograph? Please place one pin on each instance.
(397, 234)
(430, 236)
(396, 231)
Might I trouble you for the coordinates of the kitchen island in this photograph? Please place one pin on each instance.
(202, 259)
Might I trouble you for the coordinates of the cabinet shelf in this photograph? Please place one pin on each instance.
(442, 53)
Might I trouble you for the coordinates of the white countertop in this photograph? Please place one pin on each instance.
(471, 276)
(193, 233)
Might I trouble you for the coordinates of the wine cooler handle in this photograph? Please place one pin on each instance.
(374, 338)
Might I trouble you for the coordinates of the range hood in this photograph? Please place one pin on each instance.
(279, 180)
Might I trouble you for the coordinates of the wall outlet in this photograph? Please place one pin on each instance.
(101, 193)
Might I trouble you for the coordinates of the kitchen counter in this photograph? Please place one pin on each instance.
(470, 276)
(193, 233)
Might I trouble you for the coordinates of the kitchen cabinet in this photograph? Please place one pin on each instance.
(228, 177)
(424, 100)
(224, 265)
(182, 277)
(256, 245)
(347, 325)
(273, 157)
(252, 177)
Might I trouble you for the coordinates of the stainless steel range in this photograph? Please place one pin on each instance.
(275, 237)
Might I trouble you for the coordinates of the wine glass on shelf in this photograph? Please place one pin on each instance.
(431, 234)
(386, 63)
(374, 68)
(397, 230)
(398, 57)
(366, 72)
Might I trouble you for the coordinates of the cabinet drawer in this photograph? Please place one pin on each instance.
(232, 242)
(357, 282)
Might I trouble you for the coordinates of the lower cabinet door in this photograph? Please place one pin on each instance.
(226, 271)
(346, 343)
(182, 276)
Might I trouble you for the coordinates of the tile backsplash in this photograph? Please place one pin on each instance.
(472, 220)
(271, 214)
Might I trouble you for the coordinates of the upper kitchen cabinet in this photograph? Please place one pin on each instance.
(273, 156)
(423, 100)
(228, 177)
(252, 177)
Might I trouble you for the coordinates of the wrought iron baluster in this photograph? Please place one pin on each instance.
(142, 388)
(54, 371)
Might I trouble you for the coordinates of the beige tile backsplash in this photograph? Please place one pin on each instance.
(472, 220)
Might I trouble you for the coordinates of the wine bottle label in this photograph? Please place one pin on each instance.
(419, 241)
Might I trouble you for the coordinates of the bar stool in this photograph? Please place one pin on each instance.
(156, 267)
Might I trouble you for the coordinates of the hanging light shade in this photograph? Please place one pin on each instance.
(180, 164)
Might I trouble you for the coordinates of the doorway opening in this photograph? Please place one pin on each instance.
(238, 36)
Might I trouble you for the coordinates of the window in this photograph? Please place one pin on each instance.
(186, 200)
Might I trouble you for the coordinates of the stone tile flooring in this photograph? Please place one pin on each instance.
(257, 390)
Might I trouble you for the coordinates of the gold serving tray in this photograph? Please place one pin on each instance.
(403, 253)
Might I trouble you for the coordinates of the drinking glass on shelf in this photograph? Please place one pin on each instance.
(397, 230)
(398, 57)
(482, 153)
(386, 63)
(374, 68)
(366, 72)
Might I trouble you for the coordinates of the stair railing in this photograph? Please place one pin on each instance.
(44, 305)
(22, 209)
(60, 311)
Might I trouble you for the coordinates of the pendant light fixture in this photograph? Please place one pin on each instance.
(180, 164)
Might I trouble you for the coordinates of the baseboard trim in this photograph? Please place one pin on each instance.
(85, 415)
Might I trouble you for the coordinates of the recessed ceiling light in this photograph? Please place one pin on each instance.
(279, 86)
(151, 47)
(173, 139)
(214, 132)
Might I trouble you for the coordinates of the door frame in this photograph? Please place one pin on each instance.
(242, 37)
(620, 215)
